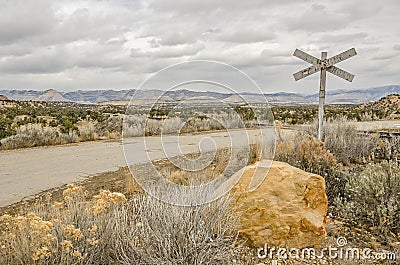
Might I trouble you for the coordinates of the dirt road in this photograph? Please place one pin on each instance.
(26, 172)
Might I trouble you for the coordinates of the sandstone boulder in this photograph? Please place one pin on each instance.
(287, 209)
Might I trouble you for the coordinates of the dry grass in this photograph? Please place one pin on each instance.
(343, 140)
(87, 130)
(216, 168)
(349, 146)
(109, 229)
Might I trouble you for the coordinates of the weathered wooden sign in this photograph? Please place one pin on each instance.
(322, 65)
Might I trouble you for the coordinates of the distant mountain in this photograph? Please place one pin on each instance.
(284, 98)
(357, 96)
(26, 95)
(185, 94)
(97, 96)
(3, 97)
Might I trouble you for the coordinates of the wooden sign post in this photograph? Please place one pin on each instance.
(322, 65)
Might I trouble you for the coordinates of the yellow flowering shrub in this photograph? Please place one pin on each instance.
(62, 233)
(37, 235)
(105, 199)
(71, 232)
(73, 192)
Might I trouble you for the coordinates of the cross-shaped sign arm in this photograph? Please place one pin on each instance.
(306, 57)
(306, 72)
(340, 73)
(341, 57)
(327, 64)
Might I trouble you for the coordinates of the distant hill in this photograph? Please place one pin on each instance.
(388, 106)
(26, 95)
(3, 97)
(358, 96)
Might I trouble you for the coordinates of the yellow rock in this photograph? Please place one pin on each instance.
(288, 208)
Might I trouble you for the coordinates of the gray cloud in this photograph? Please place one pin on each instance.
(206, 6)
(18, 22)
(343, 38)
(385, 55)
(47, 60)
(325, 17)
(168, 52)
(89, 44)
(318, 19)
(247, 35)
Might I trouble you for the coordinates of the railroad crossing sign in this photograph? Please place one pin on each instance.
(322, 65)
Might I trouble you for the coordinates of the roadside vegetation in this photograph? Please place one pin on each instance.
(385, 108)
(30, 124)
(361, 173)
(110, 228)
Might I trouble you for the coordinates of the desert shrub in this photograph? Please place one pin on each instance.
(167, 234)
(68, 119)
(309, 154)
(388, 148)
(140, 124)
(6, 128)
(343, 140)
(87, 130)
(109, 229)
(32, 135)
(199, 124)
(133, 125)
(68, 126)
(66, 138)
(372, 199)
(110, 127)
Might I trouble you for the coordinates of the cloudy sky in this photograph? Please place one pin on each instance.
(104, 44)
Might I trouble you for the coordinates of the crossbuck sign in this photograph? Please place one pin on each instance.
(322, 65)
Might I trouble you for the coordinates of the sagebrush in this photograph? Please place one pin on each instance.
(111, 229)
(372, 199)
